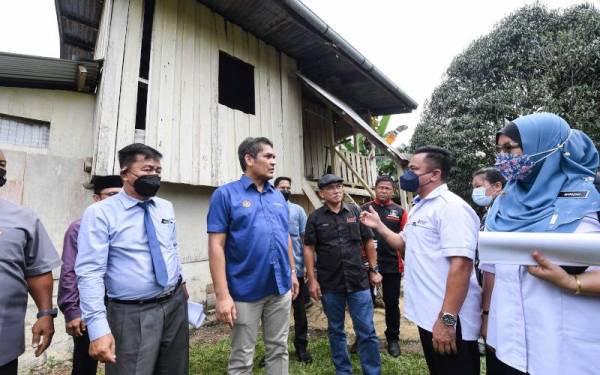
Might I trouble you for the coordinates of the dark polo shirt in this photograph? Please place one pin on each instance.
(338, 240)
(394, 217)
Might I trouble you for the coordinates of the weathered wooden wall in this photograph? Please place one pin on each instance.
(317, 123)
(197, 136)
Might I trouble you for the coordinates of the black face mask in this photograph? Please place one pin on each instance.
(2, 176)
(286, 194)
(147, 186)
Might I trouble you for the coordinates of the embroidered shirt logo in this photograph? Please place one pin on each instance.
(394, 213)
(246, 203)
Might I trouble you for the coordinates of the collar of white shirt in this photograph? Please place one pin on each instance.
(434, 193)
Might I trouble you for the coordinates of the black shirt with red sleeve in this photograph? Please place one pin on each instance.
(394, 217)
(338, 241)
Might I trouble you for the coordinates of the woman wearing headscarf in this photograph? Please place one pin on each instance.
(535, 326)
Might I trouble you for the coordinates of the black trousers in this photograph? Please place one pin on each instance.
(300, 321)
(465, 362)
(83, 364)
(10, 368)
(494, 366)
(390, 287)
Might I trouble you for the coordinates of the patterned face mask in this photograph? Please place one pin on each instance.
(514, 167)
(518, 167)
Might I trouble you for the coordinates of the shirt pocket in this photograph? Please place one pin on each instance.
(354, 231)
(166, 233)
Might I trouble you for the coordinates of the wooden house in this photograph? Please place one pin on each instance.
(191, 78)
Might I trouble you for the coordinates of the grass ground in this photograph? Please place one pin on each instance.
(212, 359)
(209, 350)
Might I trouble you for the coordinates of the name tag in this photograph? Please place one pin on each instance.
(167, 221)
(351, 219)
(574, 194)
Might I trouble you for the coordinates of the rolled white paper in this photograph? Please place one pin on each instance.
(567, 249)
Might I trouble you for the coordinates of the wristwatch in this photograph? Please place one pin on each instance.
(374, 269)
(448, 319)
(50, 312)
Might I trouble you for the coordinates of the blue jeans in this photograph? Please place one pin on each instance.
(361, 311)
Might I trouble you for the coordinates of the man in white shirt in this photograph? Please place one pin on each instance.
(441, 295)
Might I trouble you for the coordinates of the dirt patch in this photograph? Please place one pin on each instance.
(409, 333)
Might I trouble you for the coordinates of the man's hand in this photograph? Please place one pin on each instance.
(314, 289)
(375, 278)
(75, 327)
(295, 286)
(444, 338)
(226, 311)
(103, 349)
(42, 330)
(370, 218)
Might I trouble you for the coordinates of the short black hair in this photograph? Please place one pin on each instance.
(281, 178)
(128, 154)
(491, 175)
(384, 178)
(251, 146)
(438, 158)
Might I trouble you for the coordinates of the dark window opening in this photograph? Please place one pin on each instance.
(236, 83)
(140, 114)
(146, 38)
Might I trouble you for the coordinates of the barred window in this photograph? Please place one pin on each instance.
(24, 132)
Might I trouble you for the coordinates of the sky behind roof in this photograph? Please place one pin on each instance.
(412, 42)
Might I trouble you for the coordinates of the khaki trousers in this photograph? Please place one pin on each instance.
(274, 313)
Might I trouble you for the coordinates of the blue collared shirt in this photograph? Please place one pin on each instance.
(114, 254)
(297, 227)
(256, 249)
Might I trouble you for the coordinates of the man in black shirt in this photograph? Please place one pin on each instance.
(390, 261)
(335, 233)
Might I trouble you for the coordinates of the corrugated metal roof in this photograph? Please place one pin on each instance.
(288, 25)
(78, 22)
(45, 72)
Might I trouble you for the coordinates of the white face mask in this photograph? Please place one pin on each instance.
(480, 198)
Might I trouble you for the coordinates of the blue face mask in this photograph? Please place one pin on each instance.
(409, 181)
(480, 198)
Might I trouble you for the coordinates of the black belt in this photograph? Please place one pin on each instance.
(161, 298)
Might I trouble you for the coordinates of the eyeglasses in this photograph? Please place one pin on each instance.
(507, 147)
(110, 194)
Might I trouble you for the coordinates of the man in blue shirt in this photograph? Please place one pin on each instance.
(297, 225)
(128, 249)
(251, 260)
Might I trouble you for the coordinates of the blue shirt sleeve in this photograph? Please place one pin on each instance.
(218, 212)
(302, 220)
(90, 267)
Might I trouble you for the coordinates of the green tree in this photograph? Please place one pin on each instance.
(534, 59)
